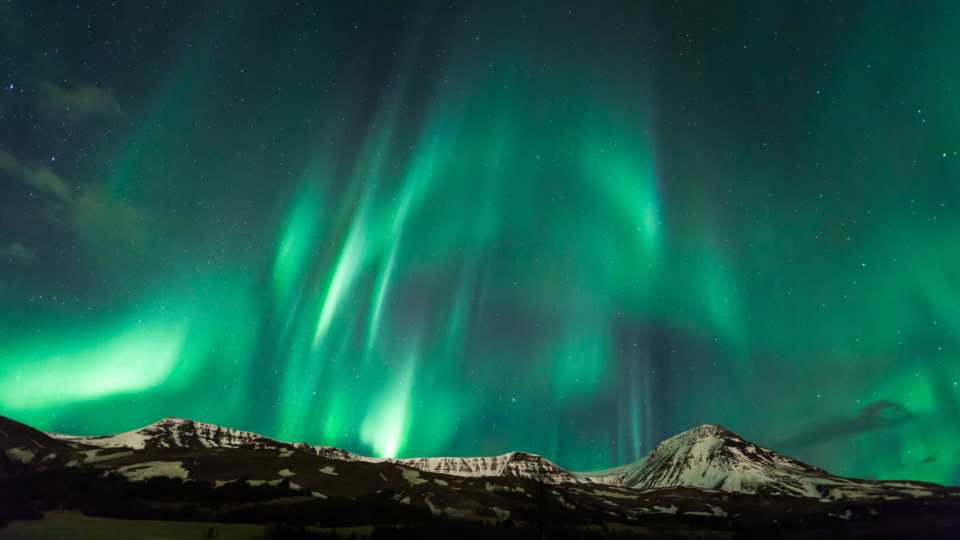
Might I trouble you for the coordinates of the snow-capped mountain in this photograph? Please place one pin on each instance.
(183, 433)
(177, 469)
(177, 433)
(513, 464)
(713, 457)
(705, 457)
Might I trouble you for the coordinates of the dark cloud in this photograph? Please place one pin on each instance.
(17, 252)
(99, 217)
(877, 415)
(77, 101)
(91, 212)
(12, 27)
(40, 178)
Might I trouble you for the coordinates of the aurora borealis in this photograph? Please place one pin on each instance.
(430, 228)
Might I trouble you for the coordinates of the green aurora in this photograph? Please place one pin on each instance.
(423, 229)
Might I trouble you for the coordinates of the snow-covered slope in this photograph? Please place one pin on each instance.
(179, 433)
(184, 433)
(612, 477)
(713, 457)
(514, 464)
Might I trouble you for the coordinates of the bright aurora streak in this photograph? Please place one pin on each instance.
(422, 229)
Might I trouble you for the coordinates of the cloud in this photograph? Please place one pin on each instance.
(91, 212)
(99, 217)
(40, 178)
(17, 252)
(77, 101)
(877, 415)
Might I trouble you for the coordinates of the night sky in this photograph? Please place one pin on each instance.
(426, 229)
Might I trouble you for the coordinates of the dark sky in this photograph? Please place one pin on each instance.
(429, 228)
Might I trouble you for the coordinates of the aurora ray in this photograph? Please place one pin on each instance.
(417, 229)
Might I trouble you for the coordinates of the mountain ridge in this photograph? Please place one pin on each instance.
(704, 480)
(708, 456)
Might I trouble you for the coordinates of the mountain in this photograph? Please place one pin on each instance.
(713, 457)
(513, 464)
(172, 432)
(705, 457)
(177, 433)
(189, 434)
(705, 482)
(22, 447)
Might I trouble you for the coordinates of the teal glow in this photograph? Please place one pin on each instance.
(424, 229)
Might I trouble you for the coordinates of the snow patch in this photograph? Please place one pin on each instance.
(258, 483)
(22, 455)
(717, 511)
(330, 470)
(564, 503)
(140, 472)
(135, 439)
(413, 477)
(845, 515)
(93, 456)
(435, 510)
(614, 494)
(458, 513)
(494, 488)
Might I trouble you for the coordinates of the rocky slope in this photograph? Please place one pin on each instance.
(22, 448)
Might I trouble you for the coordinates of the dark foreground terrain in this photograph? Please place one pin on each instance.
(179, 479)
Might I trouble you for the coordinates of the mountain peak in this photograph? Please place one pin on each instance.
(175, 420)
(175, 432)
(713, 457)
(511, 464)
(704, 430)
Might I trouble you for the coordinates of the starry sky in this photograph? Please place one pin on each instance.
(468, 228)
